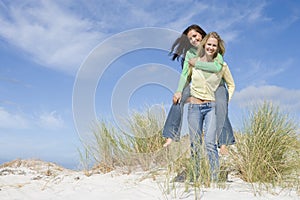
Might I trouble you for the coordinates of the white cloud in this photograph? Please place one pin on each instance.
(111, 15)
(229, 17)
(12, 120)
(256, 14)
(51, 120)
(287, 99)
(60, 35)
(287, 22)
(260, 72)
(52, 36)
(20, 121)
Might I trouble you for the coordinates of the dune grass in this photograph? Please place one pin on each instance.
(267, 150)
(139, 146)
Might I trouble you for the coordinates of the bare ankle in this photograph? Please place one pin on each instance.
(168, 142)
(223, 150)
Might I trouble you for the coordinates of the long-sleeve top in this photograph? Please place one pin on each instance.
(214, 67)
(204, 84)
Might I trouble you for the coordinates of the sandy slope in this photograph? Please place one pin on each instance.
(34, 179)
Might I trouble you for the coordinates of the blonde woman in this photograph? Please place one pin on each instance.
(201, 109)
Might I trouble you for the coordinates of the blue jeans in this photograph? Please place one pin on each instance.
(224, 129)
(173, 122)
(202, 117)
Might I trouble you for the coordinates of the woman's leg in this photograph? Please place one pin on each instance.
(173, 123)
(223, 126)
(210, 137)
(195, 123)
(226, 138)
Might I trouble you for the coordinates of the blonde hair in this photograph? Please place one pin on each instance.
(221, 44)
(201, 50)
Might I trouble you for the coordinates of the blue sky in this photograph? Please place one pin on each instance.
(66, 63)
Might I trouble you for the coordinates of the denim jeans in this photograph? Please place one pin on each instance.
(202, 117)
(173, 122)
(224, 129)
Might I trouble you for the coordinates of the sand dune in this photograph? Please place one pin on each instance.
(35, 179)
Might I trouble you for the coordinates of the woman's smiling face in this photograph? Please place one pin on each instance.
(211, 47)
(194, 37)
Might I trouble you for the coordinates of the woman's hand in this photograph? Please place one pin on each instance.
(176, 97)
(192, 61)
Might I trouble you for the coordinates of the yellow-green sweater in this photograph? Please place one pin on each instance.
(204, 84)
(215, 66)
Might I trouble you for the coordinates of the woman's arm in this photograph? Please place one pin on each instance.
(183, 81)
(229, 80)
(213, 67)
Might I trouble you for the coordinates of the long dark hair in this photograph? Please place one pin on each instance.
(182, 44)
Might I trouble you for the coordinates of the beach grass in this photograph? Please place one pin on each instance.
(268, 148)
(266, 153)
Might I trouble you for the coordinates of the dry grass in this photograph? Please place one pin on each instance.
(267, 150)
(142, 147)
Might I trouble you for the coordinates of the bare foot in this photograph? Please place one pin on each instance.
(223, 150)
(168, 142)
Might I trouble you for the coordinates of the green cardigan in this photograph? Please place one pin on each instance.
(213, 67)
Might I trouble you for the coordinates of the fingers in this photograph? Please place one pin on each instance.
(192, 62)
(175, 100)
(177, 97)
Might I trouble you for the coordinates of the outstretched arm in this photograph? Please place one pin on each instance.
(213, 67)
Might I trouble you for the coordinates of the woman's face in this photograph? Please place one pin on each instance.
(194, 37)
(211, 47)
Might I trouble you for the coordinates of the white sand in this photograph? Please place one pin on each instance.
(22, 180)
